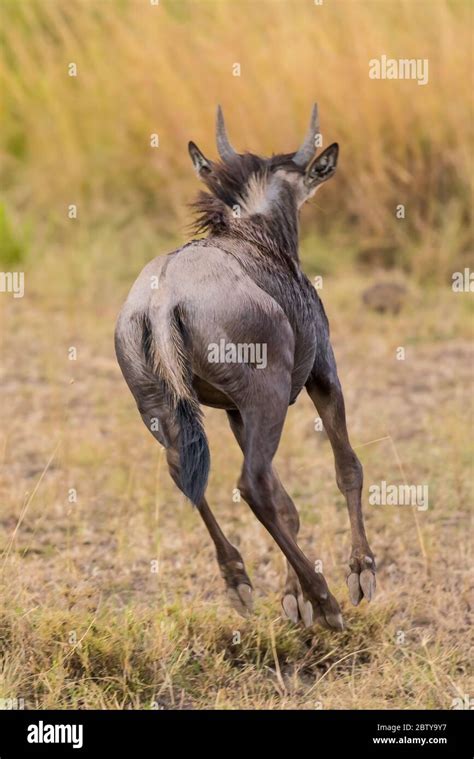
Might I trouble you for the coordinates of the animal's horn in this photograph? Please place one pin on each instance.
(308, 148)
(226, 151)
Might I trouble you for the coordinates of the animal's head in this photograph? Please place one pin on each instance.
(249, 184)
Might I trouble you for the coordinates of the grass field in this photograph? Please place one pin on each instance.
(143, 70)
(87, 617)
(110, 595)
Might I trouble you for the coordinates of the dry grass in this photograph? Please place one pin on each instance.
(143, 69)
(85, 622)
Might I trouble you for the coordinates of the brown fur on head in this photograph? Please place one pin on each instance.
(246, 185)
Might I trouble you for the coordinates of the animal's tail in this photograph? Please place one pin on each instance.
(151, 352)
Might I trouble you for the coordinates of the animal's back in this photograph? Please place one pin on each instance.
(224, 298)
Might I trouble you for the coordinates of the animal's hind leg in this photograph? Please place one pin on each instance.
(262, 426)
(231, 565)
(325, 391)
(293, 602)
(153, 405)
(294, 605)
(161, 423)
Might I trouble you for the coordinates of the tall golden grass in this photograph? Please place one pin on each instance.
(84, 622)
(144, 69)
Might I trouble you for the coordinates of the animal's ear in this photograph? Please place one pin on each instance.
(323, 166)
(200, 162)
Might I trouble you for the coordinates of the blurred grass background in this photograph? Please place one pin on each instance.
(144, 69)
(84, 622)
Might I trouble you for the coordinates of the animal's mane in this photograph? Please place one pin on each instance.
(275, 231)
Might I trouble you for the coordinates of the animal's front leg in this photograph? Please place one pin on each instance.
(325, 391)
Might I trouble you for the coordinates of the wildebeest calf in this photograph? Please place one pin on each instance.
(191, 330)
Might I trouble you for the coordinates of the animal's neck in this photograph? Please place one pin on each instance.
(273, 230)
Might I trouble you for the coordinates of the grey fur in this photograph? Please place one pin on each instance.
(243, 283)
